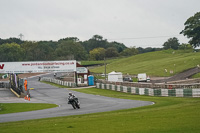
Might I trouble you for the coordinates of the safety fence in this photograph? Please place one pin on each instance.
(16, 84)
(60, 82)
(4, 85)
(150, 91)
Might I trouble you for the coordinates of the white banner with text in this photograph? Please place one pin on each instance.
(38, 66)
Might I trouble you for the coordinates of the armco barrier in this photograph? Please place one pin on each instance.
(4, 85)
(150, 91)
(60, 82)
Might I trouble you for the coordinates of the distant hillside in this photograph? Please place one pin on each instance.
(154, 63)
(99, 62)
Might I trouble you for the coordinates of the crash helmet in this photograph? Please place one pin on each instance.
(70, 93)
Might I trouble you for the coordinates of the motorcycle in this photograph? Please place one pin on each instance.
(74, 102)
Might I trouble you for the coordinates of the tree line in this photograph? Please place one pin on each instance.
(70, 48)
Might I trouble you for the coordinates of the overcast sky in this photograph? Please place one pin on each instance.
(140, 23)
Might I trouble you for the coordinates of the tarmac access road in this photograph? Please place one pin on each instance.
(45, 93)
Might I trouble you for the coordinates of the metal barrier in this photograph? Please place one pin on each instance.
(4, 85)
(17, 85)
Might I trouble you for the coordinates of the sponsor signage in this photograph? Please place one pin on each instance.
(38, 66)
(81, 70)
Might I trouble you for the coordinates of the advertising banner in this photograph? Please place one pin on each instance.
(81, 70)
(38, 66)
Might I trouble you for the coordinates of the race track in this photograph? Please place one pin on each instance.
(44, 93)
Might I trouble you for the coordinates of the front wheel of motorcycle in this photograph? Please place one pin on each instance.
(73, 105)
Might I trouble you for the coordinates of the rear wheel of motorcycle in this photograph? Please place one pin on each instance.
(77, 106)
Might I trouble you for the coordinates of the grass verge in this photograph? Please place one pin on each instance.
(6, 108)
(169, 114)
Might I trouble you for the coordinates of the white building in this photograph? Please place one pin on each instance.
(115, 77)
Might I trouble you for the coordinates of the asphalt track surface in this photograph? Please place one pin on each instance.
(45, 93)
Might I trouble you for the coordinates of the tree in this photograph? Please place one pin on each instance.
(186, 47)
(69, 49)
(111, 52)
(97, 38)
(46, 50)
(129, 52)
(97, 54)
(10, 52)
(31, 51)
(171, 43)
(11, 40)
(119, 46)
(192, 29)
(96, 41)
(148, 49)
(74, 39)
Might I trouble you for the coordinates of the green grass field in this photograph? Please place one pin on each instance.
(100, 62)
(154, 63)
(196, 75)
(6, 108)
(169, 114)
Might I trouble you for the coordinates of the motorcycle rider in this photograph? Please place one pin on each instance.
(74, 97)
(71, 95)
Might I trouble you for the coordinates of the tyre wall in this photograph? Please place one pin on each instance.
(150, 91)
(60, 82)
